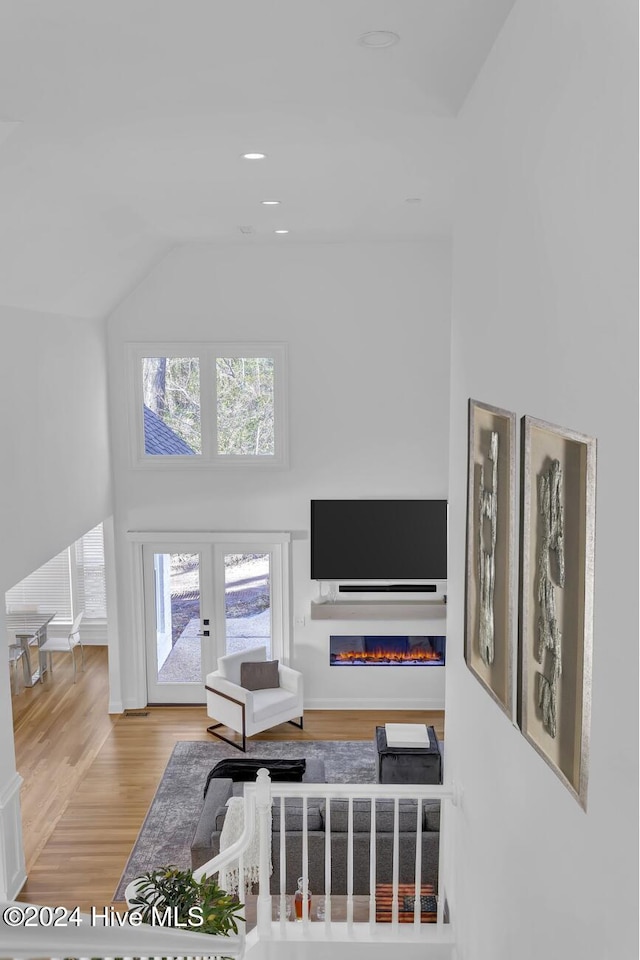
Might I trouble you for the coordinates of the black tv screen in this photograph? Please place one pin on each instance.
(378, 539)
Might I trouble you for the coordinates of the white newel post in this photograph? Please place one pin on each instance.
(263, 809)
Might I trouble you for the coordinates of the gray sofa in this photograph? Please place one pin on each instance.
(206, 840)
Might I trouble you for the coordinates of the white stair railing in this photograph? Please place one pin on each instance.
(91, 939)
(260, 796)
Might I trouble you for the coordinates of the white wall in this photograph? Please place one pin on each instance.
(56, 483)
(545, 322)
(368, 333)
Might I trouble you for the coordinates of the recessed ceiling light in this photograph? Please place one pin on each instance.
(281, 231)
(413, 200)
(253, 156)
(378, 38)
(270, 203)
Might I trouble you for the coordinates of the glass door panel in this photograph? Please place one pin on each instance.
(177, 603)
(247, 601)
(177, 641)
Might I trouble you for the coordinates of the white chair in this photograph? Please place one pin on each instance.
(16, 653)
(251, 711)
(66, 644)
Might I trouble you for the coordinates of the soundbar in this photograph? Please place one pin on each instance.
(387, 588)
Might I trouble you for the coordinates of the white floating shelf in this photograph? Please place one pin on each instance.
(372, 610)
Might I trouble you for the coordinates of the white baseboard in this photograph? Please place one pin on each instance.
(12, 865)
(133, 703)
(379, 703)
(116, 706)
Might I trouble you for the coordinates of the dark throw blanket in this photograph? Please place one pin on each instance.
(246, 770)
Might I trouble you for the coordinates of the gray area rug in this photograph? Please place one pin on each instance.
(165, 836)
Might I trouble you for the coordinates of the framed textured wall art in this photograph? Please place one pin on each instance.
(490, 586)
(556, 597)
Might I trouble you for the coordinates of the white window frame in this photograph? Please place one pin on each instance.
(207, 354)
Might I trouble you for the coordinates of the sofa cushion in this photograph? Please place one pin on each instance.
(407, 814)
(261, 675)
(229, 666)
(293, 814)
(432, 816)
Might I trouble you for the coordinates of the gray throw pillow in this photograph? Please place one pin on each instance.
(259, 674)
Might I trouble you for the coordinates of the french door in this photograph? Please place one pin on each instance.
(180, 650)
(205, 599)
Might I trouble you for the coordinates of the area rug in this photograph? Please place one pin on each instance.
(166, 834)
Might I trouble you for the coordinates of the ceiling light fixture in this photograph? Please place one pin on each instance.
(378, 39)
(253, 156)
(281, 231)
(270, 203)
(413, 200)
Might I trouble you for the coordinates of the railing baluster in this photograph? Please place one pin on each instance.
(372, 863)
(444, 816)
(396, 862)
(350, 862)
(283, 863)
(241, 877)
(418, 887)
(305, 862)
(327, 861)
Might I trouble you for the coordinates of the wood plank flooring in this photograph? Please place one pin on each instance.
(89, 778)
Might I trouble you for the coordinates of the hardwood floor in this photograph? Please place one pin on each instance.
(89, 778)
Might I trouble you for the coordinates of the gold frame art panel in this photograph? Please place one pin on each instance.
(491, 557)
(556, 597)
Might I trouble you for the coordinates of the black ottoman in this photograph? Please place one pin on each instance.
(408, 764)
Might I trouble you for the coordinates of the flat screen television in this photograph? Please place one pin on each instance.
(378, 539)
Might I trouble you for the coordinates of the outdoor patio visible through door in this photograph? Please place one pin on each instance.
(177, 607)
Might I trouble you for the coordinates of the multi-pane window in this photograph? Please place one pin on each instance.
(216, 403)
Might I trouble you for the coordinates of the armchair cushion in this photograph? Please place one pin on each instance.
(269, 703)
(229, 666)
(261, 675)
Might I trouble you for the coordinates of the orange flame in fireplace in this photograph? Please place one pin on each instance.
(388, 656)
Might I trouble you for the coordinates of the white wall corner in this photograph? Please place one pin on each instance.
(13, 872)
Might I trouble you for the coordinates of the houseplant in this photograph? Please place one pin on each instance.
(198, 905)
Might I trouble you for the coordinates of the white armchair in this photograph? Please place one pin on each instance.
(251, 711)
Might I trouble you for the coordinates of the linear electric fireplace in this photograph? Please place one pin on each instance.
(388, 651)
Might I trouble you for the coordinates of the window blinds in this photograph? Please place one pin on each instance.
(90, 579)
(70, 582)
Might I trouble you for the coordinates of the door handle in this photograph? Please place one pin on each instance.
(204, 634)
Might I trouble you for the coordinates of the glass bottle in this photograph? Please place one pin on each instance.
(298, 899)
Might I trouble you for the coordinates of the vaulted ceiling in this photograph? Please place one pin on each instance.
(123, 122)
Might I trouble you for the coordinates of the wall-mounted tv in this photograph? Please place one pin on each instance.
(378, 539)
